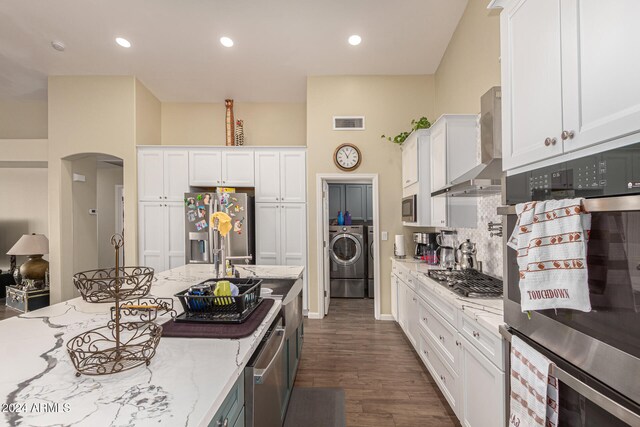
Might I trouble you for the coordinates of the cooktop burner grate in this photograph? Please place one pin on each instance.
(468, 283)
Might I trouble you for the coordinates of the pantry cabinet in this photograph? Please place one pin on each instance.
(568, 79)
(161, 235)
(163, 175)
(281, 234)
(280, 176)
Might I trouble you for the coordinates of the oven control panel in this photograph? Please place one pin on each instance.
(614, 172)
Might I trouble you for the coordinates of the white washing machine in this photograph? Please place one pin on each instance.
(347, 250)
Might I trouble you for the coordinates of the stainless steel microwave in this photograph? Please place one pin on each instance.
(410, 208)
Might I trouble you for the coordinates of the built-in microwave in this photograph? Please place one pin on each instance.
(410, 208)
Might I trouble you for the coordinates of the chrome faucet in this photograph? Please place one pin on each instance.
(219, 251)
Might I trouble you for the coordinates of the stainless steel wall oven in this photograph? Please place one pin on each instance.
(600, 349)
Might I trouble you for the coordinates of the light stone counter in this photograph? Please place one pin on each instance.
(184, 385)
(487, 312)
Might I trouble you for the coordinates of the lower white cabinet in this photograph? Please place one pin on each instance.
(463, 357)
(394, 297)
(161, 235)
(281, 233)
(480, 378)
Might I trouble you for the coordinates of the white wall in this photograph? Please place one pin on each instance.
(108, 177)
(23, 192)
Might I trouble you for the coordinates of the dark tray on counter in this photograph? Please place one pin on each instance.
(220, 309)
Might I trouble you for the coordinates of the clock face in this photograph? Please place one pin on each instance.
(347, 157)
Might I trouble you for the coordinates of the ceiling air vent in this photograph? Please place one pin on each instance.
(348, 122)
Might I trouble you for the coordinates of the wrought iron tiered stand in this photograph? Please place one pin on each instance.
(120, 345)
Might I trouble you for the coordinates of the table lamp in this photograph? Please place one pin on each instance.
(33, 246)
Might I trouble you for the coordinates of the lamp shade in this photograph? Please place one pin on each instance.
(30, 244)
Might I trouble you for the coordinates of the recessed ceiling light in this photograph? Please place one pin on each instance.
(123, 42)
(355, 40)
(58, 45)
(226, 41)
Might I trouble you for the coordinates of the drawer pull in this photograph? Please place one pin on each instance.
(458, 343)
(426, 352)
(425, 319)
(443, 378)
(224, 423)
(441, 338)
(476, 334)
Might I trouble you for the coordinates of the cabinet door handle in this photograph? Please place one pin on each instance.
(224, 423)
(160, 197)
(553, 141)
(426, 353)
(567, 134)
(547, 142)
(165, 197)
(476, 334)
(425, 319)
(443, 378)
(458, 343)
(441, 338)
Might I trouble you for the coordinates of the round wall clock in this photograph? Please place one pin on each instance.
(347, 157)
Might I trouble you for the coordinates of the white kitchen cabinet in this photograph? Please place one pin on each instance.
(410, 161)
(205, 168)
(568, 80)
(394, 297)
(402, 305)
(293, 176)
(281, 230)
(268, 222)
(280, 176)
(439, 211)
(213, 167)
(413, 311)
(162, 174)
(480, 378)
(267, 165)
(161, 235)
(601, 89)
(532, 81)
(438, 156)
(237, 168)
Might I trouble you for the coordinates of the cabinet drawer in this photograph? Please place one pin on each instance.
(488, 343)
(444, 376)
(442, 307)
(232, 406)
(442, 333)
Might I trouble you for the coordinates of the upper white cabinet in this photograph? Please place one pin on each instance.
(281, 233)
(438, 159)
(409, 162)
(162, 174)
(237, 168)
(220, 167)
(280, 176)
(205, 168)
(569, 80)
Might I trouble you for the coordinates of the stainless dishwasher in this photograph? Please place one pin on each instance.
(266, 380)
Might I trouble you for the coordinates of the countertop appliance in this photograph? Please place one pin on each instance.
(466, 255)
(468, 283)
(447, 241)
(486, 177)
(370, 277)
(410, 208)
(347, 251)
(601, 349)
(200, 238)
(269, 377)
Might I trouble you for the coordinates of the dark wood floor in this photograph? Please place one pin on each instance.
(5, 312)
(385, 383)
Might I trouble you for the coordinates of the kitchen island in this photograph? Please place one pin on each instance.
(185, 384)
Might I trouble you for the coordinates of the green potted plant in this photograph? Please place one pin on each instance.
(421, 123)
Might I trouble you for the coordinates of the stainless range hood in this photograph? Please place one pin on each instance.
(486, 177)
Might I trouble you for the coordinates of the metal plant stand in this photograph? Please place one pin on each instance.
(119, 346)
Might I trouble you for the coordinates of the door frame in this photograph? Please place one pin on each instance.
(322, 222)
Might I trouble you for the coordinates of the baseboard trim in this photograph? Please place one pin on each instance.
(311, 315)
(387, 317)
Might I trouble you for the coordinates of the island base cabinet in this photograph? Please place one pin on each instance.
(231, 412)
(480, 378)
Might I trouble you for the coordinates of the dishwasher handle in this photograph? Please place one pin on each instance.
(260, 374)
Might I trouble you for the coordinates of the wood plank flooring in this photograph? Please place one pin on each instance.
(5, 312)
(385, 382)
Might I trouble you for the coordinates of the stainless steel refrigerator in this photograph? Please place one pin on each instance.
(240, 243)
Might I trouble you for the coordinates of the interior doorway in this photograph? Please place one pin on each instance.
(348, 250)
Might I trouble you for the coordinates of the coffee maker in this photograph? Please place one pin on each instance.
(426, 247)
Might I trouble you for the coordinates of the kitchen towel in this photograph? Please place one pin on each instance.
(534, 390)
(224, 222)
(551, 238)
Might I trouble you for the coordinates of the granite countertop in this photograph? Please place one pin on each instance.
(487, 312)
(185, 384)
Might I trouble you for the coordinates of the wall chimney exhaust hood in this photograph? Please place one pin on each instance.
(486, 177)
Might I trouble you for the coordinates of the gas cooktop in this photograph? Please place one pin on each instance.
(468, 283)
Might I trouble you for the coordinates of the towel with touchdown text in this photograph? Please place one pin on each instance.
(551, 238)
(534, 390)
